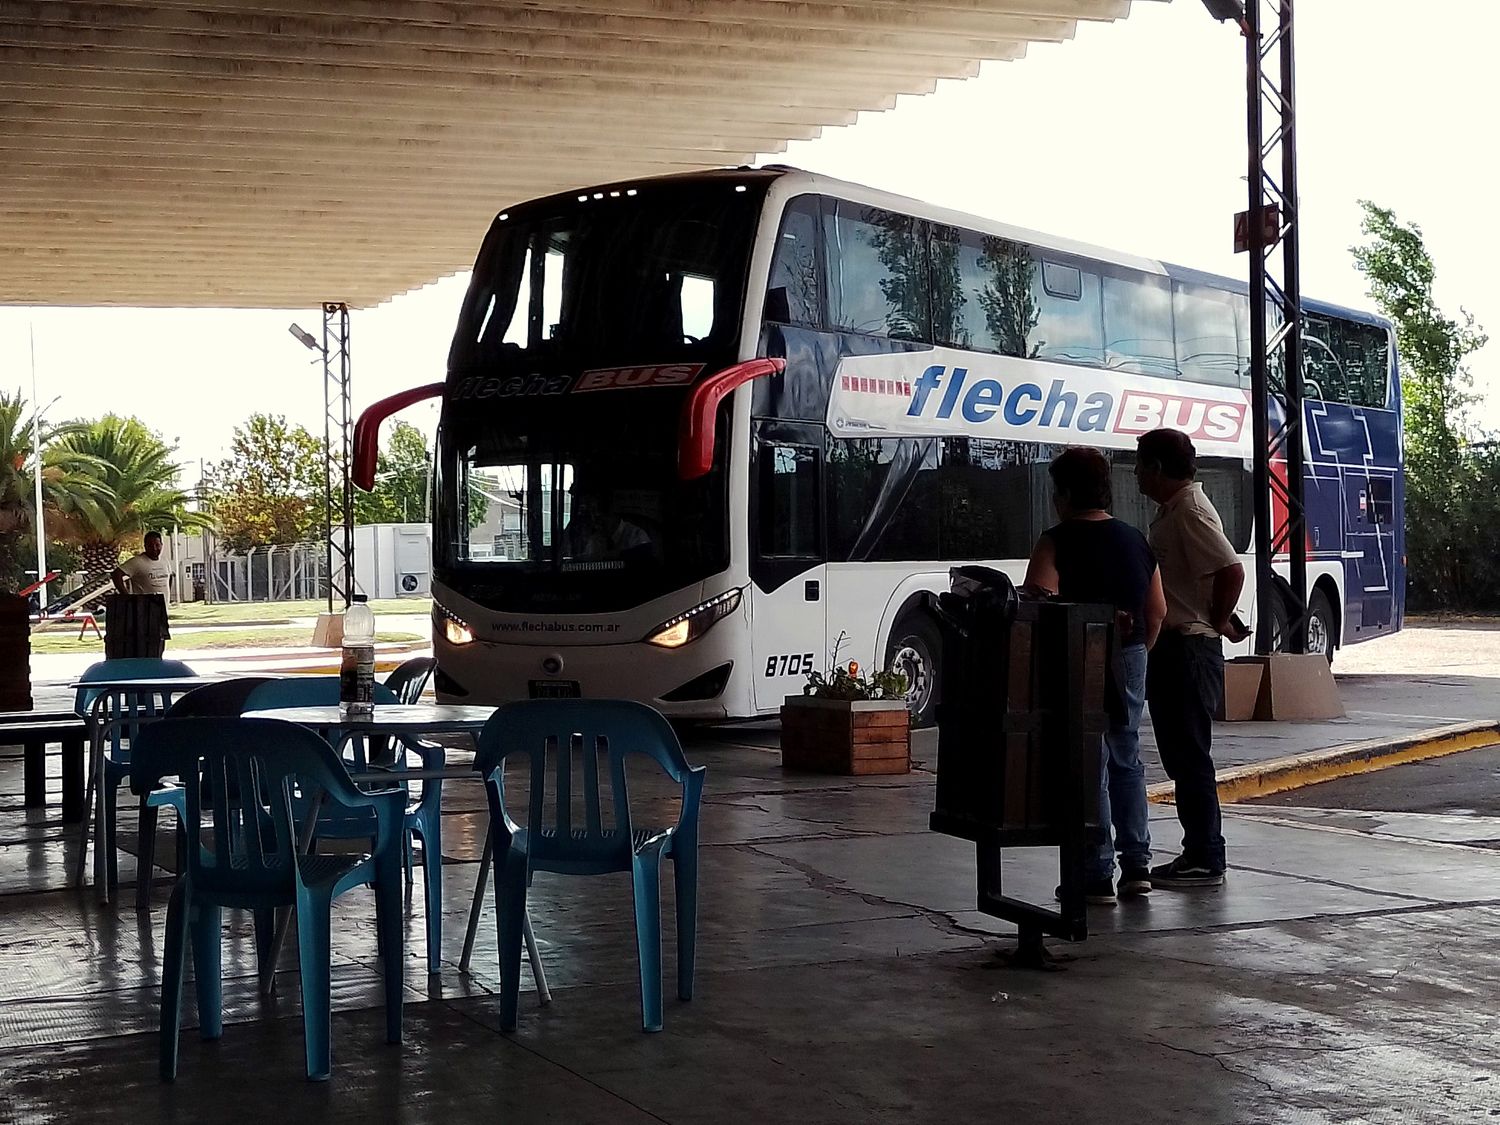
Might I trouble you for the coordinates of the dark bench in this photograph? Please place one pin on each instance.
(33, 731)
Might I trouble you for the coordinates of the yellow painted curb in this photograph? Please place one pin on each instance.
(1261, 779)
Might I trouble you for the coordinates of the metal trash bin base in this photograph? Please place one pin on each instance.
(1020, 731)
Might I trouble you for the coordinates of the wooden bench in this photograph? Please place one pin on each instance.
(34, 731)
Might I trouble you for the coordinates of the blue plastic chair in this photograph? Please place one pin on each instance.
(409, 679)
(584, 728)
(123, 716)
(250, 769)
(423, 816)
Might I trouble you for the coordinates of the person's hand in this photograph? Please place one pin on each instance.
(1232, 628)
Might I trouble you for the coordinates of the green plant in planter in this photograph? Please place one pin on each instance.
(848, 683)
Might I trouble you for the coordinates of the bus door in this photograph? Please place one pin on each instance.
(787, 562)
(1370, 508)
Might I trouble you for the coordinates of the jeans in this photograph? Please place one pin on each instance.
(1185, 685)
(1122, 782)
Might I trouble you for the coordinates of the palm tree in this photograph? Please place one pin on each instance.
(138, 491)
(65, 474)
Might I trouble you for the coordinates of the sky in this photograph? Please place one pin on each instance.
(1130, 136)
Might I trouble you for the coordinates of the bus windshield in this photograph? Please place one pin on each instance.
(576, 507)
(613, 276)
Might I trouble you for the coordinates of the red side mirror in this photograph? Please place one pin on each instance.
(367, 430)
(695, 439)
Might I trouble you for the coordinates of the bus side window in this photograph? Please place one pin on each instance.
(1066, 319)
(1207, 336)
(794, 293)
(1138, 333)
(877, 272)
(1322, 373)
(789, 492)
(1364, 350)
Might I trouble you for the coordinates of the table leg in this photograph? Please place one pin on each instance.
(72, 779)
(476, 908)
(34, 771)
(538, 974)
(96, 755)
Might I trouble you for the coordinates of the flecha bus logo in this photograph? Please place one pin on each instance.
(623, 378)
(1199, 418)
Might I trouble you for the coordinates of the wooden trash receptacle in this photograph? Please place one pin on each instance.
(15, 654)
(135, 625)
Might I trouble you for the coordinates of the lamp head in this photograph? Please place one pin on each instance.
(1222, 10)
(305, 336)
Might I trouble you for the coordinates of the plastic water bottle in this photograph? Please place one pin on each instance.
(357, 671)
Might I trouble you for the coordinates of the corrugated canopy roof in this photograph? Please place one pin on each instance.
(234, 153)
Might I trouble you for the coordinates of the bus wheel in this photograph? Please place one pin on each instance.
(913, 652)
(1320, 625)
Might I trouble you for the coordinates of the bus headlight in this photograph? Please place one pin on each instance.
(454, 630)
(689, 626)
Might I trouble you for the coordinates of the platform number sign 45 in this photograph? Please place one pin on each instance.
(790, 664)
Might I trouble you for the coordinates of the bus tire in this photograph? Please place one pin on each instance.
(913, 651)
(1321, 625)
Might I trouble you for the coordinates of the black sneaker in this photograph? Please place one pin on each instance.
(1098, 892)
(1185, 872)
(1134, 881)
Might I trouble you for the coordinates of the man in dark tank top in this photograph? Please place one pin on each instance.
(1092, 557)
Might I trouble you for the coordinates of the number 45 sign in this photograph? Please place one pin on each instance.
(1270, 228)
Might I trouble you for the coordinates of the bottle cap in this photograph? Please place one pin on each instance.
(361, 598)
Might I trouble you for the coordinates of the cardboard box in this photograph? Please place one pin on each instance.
(1298, 687)
(1242, 683)
(329, 631)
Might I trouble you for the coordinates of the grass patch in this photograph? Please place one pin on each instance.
(295, 636)
(279, 613)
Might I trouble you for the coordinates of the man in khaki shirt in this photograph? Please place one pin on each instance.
(1202, 578)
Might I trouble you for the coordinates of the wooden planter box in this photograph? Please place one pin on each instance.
(834, 736)
(15, 654)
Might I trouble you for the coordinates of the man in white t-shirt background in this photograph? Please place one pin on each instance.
(148, 572)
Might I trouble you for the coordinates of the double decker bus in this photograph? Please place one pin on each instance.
(704, 434)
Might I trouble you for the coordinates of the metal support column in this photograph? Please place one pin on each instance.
(338, 495)
(1275, 325)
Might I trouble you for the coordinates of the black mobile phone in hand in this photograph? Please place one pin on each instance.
(1239, 629)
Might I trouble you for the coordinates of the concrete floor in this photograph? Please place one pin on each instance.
(844, 976)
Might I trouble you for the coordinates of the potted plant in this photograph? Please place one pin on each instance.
(847, 722)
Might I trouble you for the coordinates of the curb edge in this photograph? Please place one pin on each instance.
(1261, 779)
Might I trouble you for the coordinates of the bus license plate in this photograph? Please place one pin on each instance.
(554, 689)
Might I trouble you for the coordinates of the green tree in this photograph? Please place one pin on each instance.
(134, 490)
(1452, 483)
(269, 490)
(63, 474)
(401, 479)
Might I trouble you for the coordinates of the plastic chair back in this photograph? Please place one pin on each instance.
(304, 691)
(577, 733)
(409, 680)
(124, 668)
(244, 771)
(222, 700)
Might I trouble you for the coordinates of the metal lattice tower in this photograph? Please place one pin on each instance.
(338, 490)
(1275, 323)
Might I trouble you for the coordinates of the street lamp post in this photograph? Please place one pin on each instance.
(38, 529)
